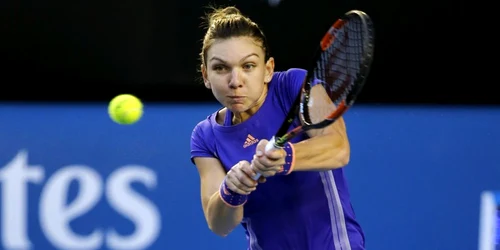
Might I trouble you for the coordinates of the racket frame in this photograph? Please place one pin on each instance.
(302, 100)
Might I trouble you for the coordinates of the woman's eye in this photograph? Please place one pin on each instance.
(248, 66)
(219, 68)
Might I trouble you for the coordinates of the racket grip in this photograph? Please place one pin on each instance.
(256, 177)
(269, 146)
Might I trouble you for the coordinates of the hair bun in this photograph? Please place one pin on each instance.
(231, 11)
(222, 13)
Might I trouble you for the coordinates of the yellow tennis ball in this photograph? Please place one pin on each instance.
(125, 109)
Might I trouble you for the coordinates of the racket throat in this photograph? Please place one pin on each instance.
(271, 145)
(304, 110)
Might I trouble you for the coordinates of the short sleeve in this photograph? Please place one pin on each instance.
(294, 79)
(199, 137)
(287, 85)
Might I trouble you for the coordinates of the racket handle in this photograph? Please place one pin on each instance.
(269, 146)
(256, 177)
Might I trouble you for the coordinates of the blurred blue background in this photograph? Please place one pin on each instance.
(416, 174)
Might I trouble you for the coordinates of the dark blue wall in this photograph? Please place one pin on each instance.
(415, 177)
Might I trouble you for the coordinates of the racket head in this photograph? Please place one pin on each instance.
(341, 66)
(339, 92)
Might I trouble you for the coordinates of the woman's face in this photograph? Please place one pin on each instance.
(237, 73)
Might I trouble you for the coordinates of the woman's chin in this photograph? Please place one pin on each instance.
(238, 107)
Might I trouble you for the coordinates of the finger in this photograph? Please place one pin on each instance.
(245, 181)
(276, 154)
(266, 164)
(261, 150)
(268, 172)
(248, 169)
(267, 167)
(257, 164)
(265, 170)
(273, 154)
(233, 183)
(261, 147)
(258, 168)
(234, 176)
(262, 179)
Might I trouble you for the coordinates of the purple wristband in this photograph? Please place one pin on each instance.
(289, 159)
(230, 197)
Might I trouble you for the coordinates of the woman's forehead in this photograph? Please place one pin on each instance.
(236, 48)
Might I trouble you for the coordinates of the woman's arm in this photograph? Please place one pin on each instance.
(327, 148)
(221, 218)
(325, 151)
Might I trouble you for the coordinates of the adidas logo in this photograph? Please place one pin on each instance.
(250, 141)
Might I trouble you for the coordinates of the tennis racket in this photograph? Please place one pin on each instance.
(341, 66)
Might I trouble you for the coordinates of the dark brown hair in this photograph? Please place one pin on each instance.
(228, 22)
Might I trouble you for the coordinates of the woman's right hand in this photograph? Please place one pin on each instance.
(239, 178)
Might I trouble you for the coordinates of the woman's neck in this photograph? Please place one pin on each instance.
(243, 116)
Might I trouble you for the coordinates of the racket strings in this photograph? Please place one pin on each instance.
(340, 63)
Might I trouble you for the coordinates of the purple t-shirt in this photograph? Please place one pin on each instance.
(305, 210)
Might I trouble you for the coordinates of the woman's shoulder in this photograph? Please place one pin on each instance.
(289, 75)
(206, 124)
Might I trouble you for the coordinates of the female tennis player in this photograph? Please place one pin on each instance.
(301, 201)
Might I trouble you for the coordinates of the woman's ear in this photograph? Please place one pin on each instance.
(204, 75)
(269, 70)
